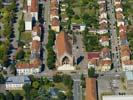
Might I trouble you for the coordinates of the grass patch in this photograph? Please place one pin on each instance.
(61, 86)
(26, 37)
(21, 92)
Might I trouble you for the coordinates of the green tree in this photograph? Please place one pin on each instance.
(21, 27)
(17, 96)
(9, 96)
(67, 80)
(57, 78)
(20, 54)
(35, 84)
(27, 89)
(69, 11)
(1, 6)
(91, 72)
(61, 96)
(2, 79)
(2, 96)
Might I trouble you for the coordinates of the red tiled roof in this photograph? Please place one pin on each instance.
(34, 6)
(35, 45)
(37, 29)
(128, 62)
(122, 28)
(104, 38)
(93, 55)
(91, 89)
(55, 22)
(54, 12)
(123, 36)
(105, 50)
(35, 62)
(105, 62)
(119, 16)
(125, 50)
(63, 44)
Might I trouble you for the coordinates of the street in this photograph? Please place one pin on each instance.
(77, 89)
(114, 40)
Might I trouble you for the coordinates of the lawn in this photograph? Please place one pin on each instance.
(76, 21)
(26, 37)
(61, 86)
(21, 92)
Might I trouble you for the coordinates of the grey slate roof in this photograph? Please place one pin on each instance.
(18, 80)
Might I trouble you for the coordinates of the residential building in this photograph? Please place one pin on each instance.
(78, 27)
(118, 8)
(31, 6)
(31, 68)
(117, 97)
(16, 82)
(34, 9)
(125, 53)
(105, 53)
(36, 30)
(35, 46)
(93, 59)
(63, 50)
(28, 21)
(90, 91)
(129, 82)
(104, 65)
(104, 40)
(54, 15)
(127, 65)
(55, 25)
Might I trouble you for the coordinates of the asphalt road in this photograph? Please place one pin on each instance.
(77, 89)
(80, 54)
(114, 39)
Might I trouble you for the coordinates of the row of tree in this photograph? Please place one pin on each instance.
(7, 20)
(10, 96)
(50, 52)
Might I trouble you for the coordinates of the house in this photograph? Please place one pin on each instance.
(104, 40)
(117, 2)
(36, 30)
(90, 91)
(35, 46)
(28, 21)
(104, 65)
(78, 27)
(16, 82)
(122, 28)
(34, 9)
(103, 15)
(31, 6)
(117, 97)
(103, 28)
(103, 20)
(54, 13)
(118, 8)
(119, 18)
(127, 65)
(129, 82)
(125, 53)
(55, 25)
(63, 50)
(105, 53)
(93, 59)
(29, 68)
(101, 2)
(123, 38)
